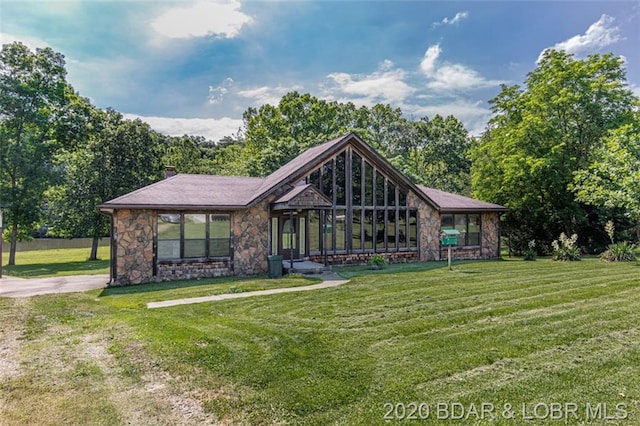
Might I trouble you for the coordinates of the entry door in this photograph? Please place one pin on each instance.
(289, 238)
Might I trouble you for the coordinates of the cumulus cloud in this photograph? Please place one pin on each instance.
(600, 34)
(216, 93)
(202, 18)
(267, 95)
(448, 76)
(386, 84)
(453, 21)
(211, 128)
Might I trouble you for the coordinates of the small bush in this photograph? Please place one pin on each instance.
(565, 248)
(531, 252)
(377, 261)
(619, 252)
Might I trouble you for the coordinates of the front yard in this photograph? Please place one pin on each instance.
(506, 334)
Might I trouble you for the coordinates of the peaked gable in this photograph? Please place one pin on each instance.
(304, 197)
(314, 157)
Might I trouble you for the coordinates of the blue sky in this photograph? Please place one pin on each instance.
(195, 66)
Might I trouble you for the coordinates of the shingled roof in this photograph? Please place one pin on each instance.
(201, 192)
(447, 202)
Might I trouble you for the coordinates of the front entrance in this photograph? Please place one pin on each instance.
(291, 242)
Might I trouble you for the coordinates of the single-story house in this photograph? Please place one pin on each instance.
(339, 202)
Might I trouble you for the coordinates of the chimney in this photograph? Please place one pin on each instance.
(169, 171)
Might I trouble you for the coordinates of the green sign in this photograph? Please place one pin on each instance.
(449, 241)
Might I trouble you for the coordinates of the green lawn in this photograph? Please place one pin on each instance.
(527, 334)
(57, 262)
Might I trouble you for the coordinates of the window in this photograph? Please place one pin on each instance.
(193, 236)
(368, 184)
(169, 236)
(413, 228)
(356, 179)
(219, 238)
(467, 224)
(367, 203)
(314, 231)
(341, 180)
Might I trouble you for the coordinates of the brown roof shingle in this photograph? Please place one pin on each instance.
(448, 202)
(192, 191)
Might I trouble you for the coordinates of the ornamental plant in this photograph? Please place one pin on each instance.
(566, 248)
(622, 251)
(531, 252)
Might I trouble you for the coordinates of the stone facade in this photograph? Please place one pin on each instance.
(134, 235)
(250, 235)
(169, 271)
(363, 258)
(490, 226)
(428, 229)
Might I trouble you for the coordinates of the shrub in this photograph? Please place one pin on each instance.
(531, 252)
(617, 252)
(377, 261)
(565, 248)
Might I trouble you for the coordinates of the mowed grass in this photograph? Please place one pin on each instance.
(57, 262)
(504, 332)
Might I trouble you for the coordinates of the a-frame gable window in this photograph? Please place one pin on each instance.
(370, 211)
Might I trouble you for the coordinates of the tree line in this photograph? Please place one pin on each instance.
(562, 153)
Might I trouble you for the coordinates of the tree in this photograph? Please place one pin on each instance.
(118, 157)
(32, 94)
(541, 135)
(437, 154)
(188, 155)
(612, 180)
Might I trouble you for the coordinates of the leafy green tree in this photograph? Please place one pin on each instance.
(32, 94)
(437, 154)
(541, 135)
(612, 180)
(188, 154)
(119, 156)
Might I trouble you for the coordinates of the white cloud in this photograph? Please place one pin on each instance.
(216, 94)
(385, 85)
(428, 64)
(454, 77)
(267, 95)
(453, 21)
(600, 34)
(31, 42)
(473, 114)
(211, 128)
(202, 18)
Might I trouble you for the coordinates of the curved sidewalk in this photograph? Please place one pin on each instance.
(330, 280)
(27, 287)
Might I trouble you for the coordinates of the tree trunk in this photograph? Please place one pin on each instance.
(14, 243)
(94, 248)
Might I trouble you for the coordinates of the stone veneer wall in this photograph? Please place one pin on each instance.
(428, 229)
(250, 236)
(185, 270)
(363, 258)
(490, 226)
(134, 231)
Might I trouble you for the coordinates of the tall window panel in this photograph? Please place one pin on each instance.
(314, 230)
(356, 179)
(169, 236)
(327, 179)
(368, 229)
(341, 229)
(356, 233)
(380, 231)
(473, 230)
(380, 198)
(402, 228)
(341, 180)
(391, 229)
(195, 235)
(219, 235)
(369, 189)
(413, 228)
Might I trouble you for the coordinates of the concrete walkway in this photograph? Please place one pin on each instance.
(330, 279)
(27, 287)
